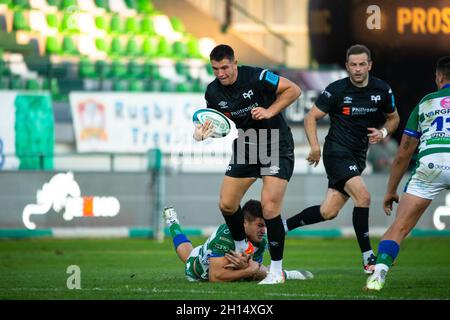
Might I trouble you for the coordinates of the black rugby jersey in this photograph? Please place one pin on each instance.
(254, 87)
(352, 110)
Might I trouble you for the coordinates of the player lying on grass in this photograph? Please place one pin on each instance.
(216, 260)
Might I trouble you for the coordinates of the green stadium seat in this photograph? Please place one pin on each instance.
(131, 4)
(144, 6)
(54, 3)
(120, 85)
(69, 23)
(86, 69)
(179, 49)
(152, 85)
(69, 47)
(16, 83)
(183, 87)
(197, 86)
(118, 69)
(52, 45)
(102, 68)
(136, 85)
(135, 70)
(150, 47)
(52, 20)
(103, 4)
(9, 3)
(209, 69)
(133, 47)
(101, 24)
(147, 26)
(22, 4)
(116, 47)
(164, 48)
(177, 24)
(166, 85)
(151, 71)
(132, 25)
(102, 45)
(32, 84)
(51, 85)
(116, 24)
(4, 83)
(68, 3)
(20, 22)
(193, 48)
(182, 69)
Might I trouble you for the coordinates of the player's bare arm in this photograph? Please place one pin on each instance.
(404, 154)
(287, 93)
(310, 121)
(376, 135)
(218, 272)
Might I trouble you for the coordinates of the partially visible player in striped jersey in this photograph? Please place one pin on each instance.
(429, 128)
(216, 260)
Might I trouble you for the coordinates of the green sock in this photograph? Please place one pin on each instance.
(386, 259)
(175, 229)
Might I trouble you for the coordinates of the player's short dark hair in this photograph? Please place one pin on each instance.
(220, 52)
(358, 49)
(443, 67)
(252, 209)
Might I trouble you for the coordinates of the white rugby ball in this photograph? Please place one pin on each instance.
(221, 123)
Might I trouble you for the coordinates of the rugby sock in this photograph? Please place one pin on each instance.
(367, 255)
(387, 252)
(310, 215)
(178, 237)
(235, 223)
(275, 237)
(361, 226)
(175, 230)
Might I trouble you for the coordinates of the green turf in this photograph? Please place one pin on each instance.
(144, 269)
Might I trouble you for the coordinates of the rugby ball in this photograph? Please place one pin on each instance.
(221, 123)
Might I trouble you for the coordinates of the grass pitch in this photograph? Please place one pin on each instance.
(144, 269)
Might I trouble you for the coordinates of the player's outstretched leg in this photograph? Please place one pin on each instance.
(298, 274)
(181, 243)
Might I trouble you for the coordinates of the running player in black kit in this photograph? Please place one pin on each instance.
(253, 98)
(353, 104)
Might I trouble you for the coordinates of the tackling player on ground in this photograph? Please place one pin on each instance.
(216, 260)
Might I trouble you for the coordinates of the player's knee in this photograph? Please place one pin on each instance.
(363, 199)
(227, 208)
(329, 213)
(270, 209)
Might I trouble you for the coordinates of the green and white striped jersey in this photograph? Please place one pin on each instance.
(219, 243)
(430, 122)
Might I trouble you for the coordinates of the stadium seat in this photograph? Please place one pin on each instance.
(179, 49)
(147, 27)
(135, 85)
(52, 45)
(69, 47)
(4, 83)
(102, 4)
(116, 47)
(192, 47)
(145, 6)
(164, 48)
(43, 6)
(120, 85)
(177, 25)
(8, 3)
(150, 47)
(52, 21)
(52, 86)
(183, 87)
(102, 45)
(54, 3)
(65, 4)
(120, 6)
(151, 71)
(86, 69)
(116, 26)
(22, 4)
(16, 83)
(101, 24)
(32, 84)
(118, 69)
(20, 22)
(69, 23)
(102, 68)
(166, 85)
(132, 25)
(135, 70)
(133, 48)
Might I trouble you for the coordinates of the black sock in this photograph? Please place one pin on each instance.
(235, 223)
(275, 237)
(361, 226)
(308, 216)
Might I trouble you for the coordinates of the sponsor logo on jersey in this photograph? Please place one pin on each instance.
(445, 103)
(326, 93)
(272, 78)
(375, 98)
(437, 112)
(274, 170)
(353, 168)
(348, 100)
(362, 110)
(248, 95)
(244, 111)
(223, 104)
(438, 166)
(346, 111)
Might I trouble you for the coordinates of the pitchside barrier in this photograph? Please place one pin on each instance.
(129, 204)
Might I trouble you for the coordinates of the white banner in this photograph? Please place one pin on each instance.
(7, 131)
(137, 122)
